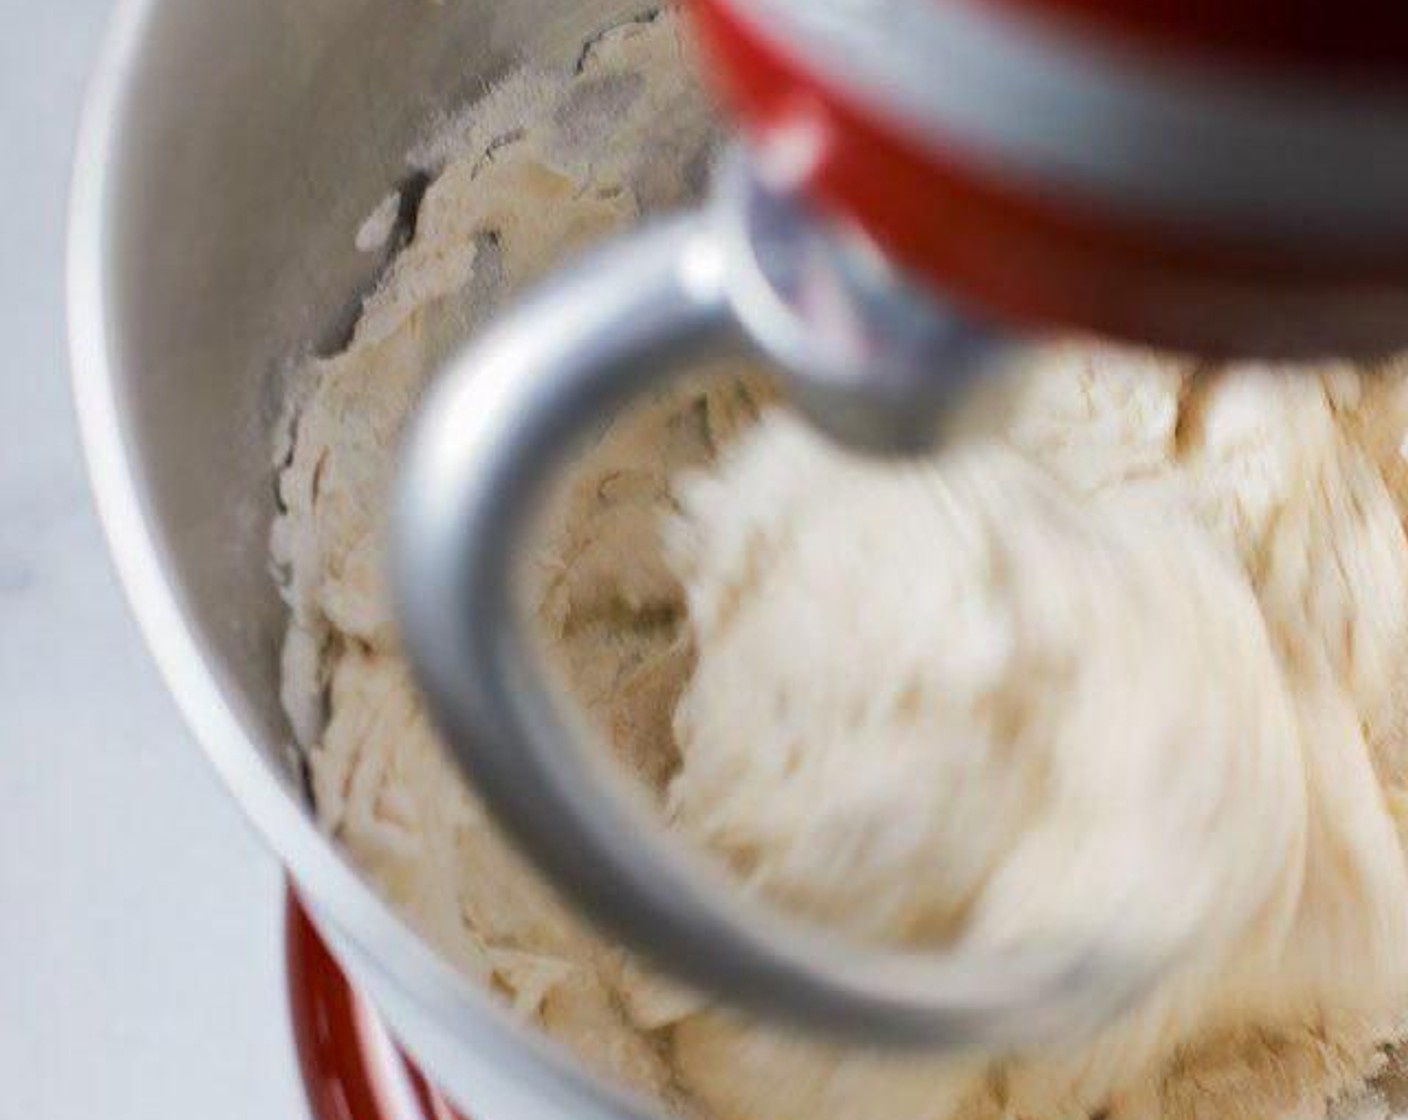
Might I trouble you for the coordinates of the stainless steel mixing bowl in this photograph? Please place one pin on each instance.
(228, 154)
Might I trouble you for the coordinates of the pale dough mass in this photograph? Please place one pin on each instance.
(1127, 657)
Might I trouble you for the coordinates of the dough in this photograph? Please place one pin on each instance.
(1123, 662)
(1086, 687)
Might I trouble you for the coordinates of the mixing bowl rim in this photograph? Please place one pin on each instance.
(336, 893)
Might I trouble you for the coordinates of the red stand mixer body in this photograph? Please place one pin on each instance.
(1287, 121)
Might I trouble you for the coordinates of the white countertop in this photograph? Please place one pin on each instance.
(140, 918)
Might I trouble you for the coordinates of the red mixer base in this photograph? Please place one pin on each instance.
(352, 1070)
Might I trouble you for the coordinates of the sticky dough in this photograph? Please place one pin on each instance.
(1124, 661)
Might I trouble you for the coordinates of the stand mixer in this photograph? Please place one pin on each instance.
(918, 184)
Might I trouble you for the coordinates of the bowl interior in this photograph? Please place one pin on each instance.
(251, 142)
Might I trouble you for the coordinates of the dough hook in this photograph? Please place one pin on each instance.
(1152, 171)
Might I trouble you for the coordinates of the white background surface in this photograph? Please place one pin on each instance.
(141, 973)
